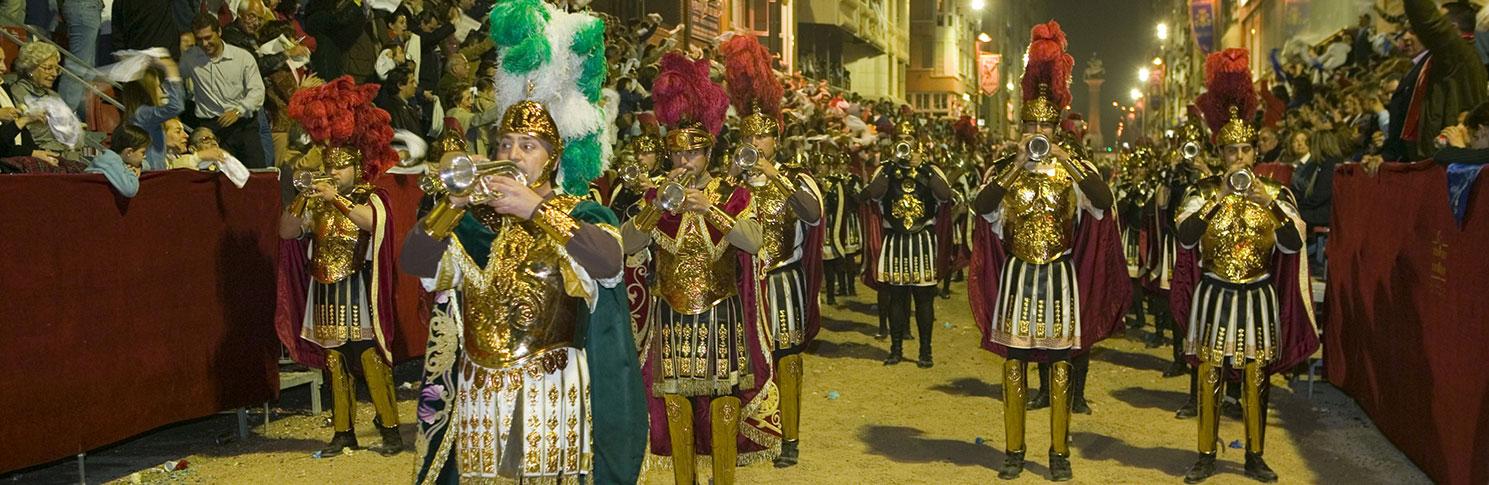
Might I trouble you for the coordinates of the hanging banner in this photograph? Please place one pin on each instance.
(989, 72)
(1202, 23)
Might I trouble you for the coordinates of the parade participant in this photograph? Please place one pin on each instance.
(1183, 166)
(636, 167)
(909, 193)
(844, 234)
(962, 175)
(703, 347)
(337, 312)
(1061, 284)
(530, 373)
(787, 204)
(1239, 278)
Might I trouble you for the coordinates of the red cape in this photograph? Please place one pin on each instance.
(811, 267)
(1100, 271)
(1299, 340)
(294, 285)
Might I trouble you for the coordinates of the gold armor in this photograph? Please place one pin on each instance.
(777, 223)
(521, 306)
(337, 240)
(1039, 215)
(1238, 242)
(694, 272)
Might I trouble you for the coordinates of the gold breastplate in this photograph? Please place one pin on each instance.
(777, 224)
(1039, 215)
(1238, 242)
(519, 308)
(693, 271)
(337, 239)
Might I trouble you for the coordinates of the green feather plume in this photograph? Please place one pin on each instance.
(513, 21)
(527, 55)
(581, 163)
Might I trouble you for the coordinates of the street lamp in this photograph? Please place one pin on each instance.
(1142, 74)
(984, 38)
(1137, 94)
(977, 5)
(1162, 31)
(1158, 61)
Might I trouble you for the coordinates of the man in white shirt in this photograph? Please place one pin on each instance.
(224, 82)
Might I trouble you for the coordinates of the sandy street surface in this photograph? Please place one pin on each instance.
(887, 425)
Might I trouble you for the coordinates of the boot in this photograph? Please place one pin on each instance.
(342, 439)
(788, 379)
(1176, 368)
(789, 454)
(680, 433)
(1080, 366)
(1040, 400)
(1188, 410)
(1202, 469)
(1060, 467)
(895, 357)
(925, 362)
(1154, 340)
(1013, 465)
(1015, 389)
(1257, 469)
(725, 414)
(392, 440)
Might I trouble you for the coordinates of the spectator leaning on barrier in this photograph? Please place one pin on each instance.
(121, 163)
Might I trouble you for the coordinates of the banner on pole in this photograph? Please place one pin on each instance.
(988, 72)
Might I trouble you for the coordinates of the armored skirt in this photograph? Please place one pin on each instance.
(1039, 305)
(1233, 320)
(338, 313)
(529, 420)
(703, 354)
(786, 293)
(908, 259)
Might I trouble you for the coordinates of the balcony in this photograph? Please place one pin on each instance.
(856, 18)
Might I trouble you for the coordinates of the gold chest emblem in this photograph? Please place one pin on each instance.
(1237, 245)
(336, 241)
(1039, 215)
(778, 224)
(522, 308)
(693, 271)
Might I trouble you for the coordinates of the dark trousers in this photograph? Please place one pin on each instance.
(899, 299)
(1080, 365)
(241, 139)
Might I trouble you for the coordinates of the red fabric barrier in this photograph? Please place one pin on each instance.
(1407, 334)
(1281, 172)
(121, 315)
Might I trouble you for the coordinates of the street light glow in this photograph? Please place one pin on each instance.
(978, 4)
(1162, 31)
(984, 38)
(1158, 61)
(1142, 74)
(1009, 86)
(1136, 94)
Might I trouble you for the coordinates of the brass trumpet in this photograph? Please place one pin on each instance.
(465, 177)
(672, 194)
(745, 159)
(902, 151)
(305, 182)
(1038, 147)
(1241, 180)
(1189, 150)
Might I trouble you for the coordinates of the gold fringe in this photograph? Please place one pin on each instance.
(655, 463)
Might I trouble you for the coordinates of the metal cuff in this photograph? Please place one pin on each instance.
(721, 220)
(553, 221)
(442, 219)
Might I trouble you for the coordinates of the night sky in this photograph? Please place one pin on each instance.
(1121, 33)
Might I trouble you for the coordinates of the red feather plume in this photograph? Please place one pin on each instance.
(1048, 64)
(750, 80)
(682, 93)
(340, 113)
(965, 130)
(1227, 84)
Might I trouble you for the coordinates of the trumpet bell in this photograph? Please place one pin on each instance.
(746, 157)
(305, 181)
(1241, 180)
(1038, 147)
(902, 151)
(1190, 150)
(463, 176)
